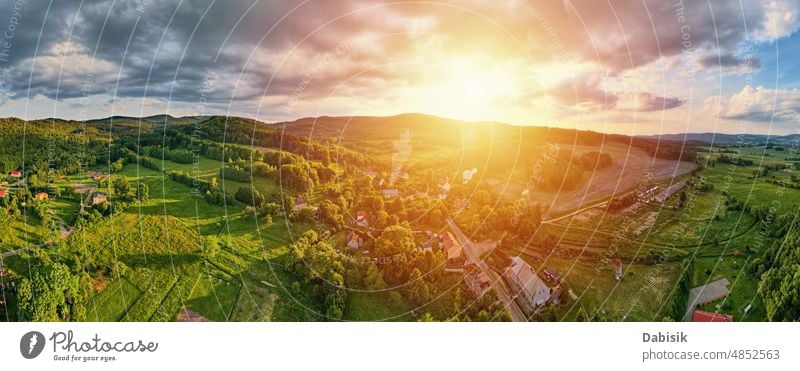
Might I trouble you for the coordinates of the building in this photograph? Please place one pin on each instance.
(617, 269)
(40, 196)
(646, 194)
(361, 219)
(703, 316)
(525, 285)
(16, 174)
(3, 193)
(354, 240)
(299, 203)
(467, 175)
(186, 315)
(444, 188)
(450, 246)
(453, 252)
(477, 282)
(552, 275)
(391, 193)
(664, 196)
(99, 198)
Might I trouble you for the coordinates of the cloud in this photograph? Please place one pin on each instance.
(271, 50)
(647, 102)
(728, 60)
(585, 90)
(758, 104)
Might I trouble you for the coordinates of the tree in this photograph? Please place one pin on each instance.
(315, 260)
(249, 196)
(396, 244)
(53, 294)
(419, 293)
(373, 278)
(330, 214)
(142, 192)
(121, 187)
(294, 177)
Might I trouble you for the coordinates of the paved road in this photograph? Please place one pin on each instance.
(517, 315)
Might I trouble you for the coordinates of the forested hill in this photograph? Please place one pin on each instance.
(346, 138)
(63, 144)
(426, 131)
(37, 143)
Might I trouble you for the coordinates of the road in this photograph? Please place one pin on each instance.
(517, 315)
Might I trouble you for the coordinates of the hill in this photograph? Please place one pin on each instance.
(726, 139)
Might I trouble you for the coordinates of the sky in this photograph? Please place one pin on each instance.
(620, 66)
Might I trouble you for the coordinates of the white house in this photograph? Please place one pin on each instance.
(354, 240)
(526, 285)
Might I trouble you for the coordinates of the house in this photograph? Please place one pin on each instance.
(477, 281)
(705, 294)
(450, 246)
(444, 187)
(361, 219)
(3, 193)
(40, 196)
(467, 175)
(425, 246)
(664, 196)
(703, 316)
(354, 240)
(646, 194)
(453, 252)
(391, 193)
(99, 198)
(186, 315)
(81, 188)
(552, 275)
(526, 285)
(16, 174)
(299, 203)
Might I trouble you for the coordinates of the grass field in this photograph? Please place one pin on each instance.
(743, 286)
(213, 297)
(111, 304)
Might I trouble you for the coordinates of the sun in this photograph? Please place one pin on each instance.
(469, 88)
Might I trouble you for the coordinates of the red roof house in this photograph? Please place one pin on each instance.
(3, 193)
(361, 218)
(40, 196)
(703, 316)
(16, 173)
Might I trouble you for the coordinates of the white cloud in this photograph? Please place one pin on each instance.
(758, 104)
(781, 19)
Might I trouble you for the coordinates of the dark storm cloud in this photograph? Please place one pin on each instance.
(170, 49)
